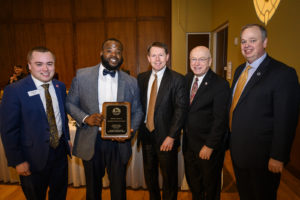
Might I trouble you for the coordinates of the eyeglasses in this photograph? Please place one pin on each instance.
(202, 60)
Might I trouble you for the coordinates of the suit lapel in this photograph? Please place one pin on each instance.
(93, 89)
(60, 100)
(36, 99)
(202, 88)
(258, 74)
(144, 87)
(121, 87)
(163, 88)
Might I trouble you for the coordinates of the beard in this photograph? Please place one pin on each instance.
(106, 64)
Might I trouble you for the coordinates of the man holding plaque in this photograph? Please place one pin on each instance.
(91, 88)
(165, 102)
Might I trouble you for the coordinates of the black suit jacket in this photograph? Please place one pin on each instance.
(266, 115)
(207, 118)
(170, 108)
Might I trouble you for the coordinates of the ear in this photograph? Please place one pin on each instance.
(265, 42)
(148, 57)
(29, 66)
(168, 57)
(209, 62)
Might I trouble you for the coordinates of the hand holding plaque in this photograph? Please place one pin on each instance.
(116, 122)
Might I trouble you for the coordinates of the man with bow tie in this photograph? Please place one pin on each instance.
(91, 87)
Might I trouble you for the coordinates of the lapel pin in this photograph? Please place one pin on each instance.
(205, 83)
(258, 74)
(57, 86)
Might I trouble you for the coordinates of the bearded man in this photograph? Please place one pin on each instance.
(91, 87)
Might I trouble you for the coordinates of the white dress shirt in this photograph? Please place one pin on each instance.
(55, 105)
(107, 88)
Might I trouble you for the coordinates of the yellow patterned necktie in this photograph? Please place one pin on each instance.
(238, 91)
(54, 139)
(151, 106)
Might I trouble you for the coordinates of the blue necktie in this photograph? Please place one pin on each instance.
(112, 73)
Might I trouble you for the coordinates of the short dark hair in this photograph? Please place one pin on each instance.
(262, 29)
(18, 66)
(158, 44)
(41, 49)
(112, 39)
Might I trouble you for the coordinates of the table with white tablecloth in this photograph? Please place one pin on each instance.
(134, 178)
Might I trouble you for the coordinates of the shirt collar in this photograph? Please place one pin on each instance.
(160, 73)
(101, 68)
(38, 83)
(257, 62)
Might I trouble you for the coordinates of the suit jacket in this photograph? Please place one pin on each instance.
(25, 130)
(170, 107)
(207, 119)
(266, 115)
(82, 100)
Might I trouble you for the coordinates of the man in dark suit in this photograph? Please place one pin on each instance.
(205, 127)
(164, 101)
(34, 128)
(263, 117)
(91, 87)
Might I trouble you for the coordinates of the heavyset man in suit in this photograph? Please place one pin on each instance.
(163, 121)
(36, 142)
(206, 127)
(90, 88)
(263, 117)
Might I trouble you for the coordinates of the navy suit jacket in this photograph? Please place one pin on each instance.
(265, 117)
(25, 130)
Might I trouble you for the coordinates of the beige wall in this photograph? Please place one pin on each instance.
(187, 16)
(194, 16)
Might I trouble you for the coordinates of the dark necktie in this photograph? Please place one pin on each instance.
(194, 90)
(54, 139)
(111, 73)
(238, 91)
(151, 106)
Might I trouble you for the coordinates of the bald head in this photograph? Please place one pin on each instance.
(200, 60)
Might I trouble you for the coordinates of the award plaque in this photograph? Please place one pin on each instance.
(116, 122)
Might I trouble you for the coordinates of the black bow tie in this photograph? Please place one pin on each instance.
(112, 73)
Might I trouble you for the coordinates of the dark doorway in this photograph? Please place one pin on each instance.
(193, 40)
(221, 39)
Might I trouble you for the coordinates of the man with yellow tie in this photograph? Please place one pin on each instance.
(263, 117)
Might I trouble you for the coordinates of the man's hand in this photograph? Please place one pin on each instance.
(94, 119)
(275, 166)
(23, 169)
(120, 139)
(167, 145)
(205, 152)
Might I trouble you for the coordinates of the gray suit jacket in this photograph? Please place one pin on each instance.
(82, 100)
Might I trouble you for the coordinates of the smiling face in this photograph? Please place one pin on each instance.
(111, 55)
(200, 60)
(42, 66)
(18, 70)
(157, 58)
(252, 44)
